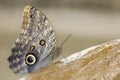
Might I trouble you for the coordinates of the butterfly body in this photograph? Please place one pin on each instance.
(36, 44)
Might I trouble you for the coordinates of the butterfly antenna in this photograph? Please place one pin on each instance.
(68, 36)
(58, 50)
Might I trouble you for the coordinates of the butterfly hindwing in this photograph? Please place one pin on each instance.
(36, 40)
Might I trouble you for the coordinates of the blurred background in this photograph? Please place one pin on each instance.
(91, 22)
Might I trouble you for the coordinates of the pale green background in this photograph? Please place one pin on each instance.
(90, 22)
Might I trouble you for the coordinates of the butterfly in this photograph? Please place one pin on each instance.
(35, 46)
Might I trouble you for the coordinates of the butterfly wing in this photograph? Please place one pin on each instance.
(31, 50)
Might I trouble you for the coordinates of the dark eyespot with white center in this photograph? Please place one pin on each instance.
(30, 59)
(42, 42)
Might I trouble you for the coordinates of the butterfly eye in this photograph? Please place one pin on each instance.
(30, 59)
(42, 42)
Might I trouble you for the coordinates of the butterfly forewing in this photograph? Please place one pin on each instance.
(31, 50)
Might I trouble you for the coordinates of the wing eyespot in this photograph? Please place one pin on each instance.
(30, 59)
(32, 47)
(42, 42)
